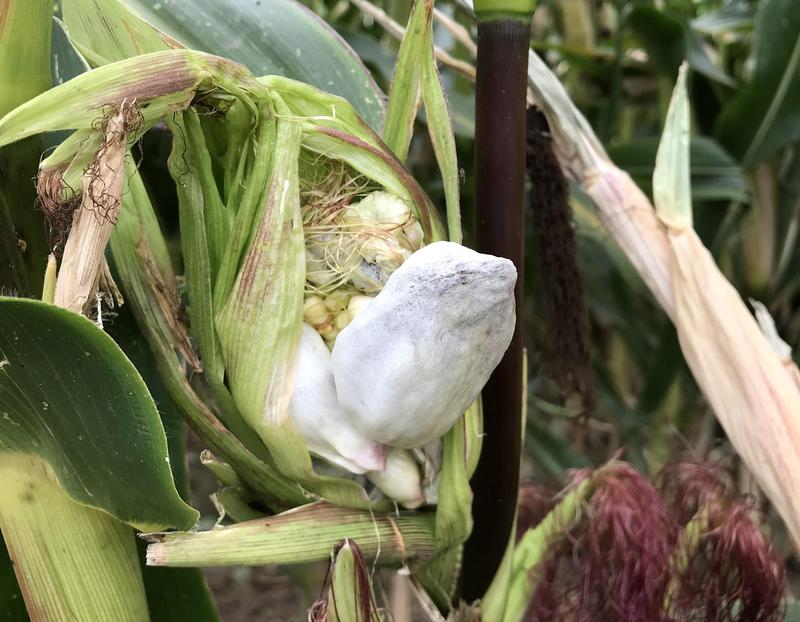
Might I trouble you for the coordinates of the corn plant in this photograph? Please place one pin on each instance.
(324, 333)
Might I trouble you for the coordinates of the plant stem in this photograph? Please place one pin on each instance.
(500, 111)
(73, 562)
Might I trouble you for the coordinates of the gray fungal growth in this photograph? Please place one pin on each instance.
(408, 366)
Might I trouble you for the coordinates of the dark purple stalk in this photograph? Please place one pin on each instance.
(499, 202)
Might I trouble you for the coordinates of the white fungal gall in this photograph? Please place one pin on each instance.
(358, 304)
(408, 366)
(318, 417)
(400, 480)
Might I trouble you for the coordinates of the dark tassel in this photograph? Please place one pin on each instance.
(567, 346)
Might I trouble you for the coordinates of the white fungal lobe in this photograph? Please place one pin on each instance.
(401, 479)
(318, 416)
(408, 366)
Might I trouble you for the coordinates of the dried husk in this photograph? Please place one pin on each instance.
(83, 260)
(744, 380)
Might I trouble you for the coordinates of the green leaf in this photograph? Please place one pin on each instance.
(440, 128)
(25, 27)
(661, 36)
(271, 37)
(173, 594)
(762, 117)
(405, 93)
(12, 270)
(105, 31)
(669, 40)
(25, 34)
(730, 16)
(63, 550)
(700, 60)
(177, 594)
(715, 174)
(70, 396)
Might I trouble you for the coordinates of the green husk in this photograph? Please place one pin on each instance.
(416, 80)
(440, 128)
(687, 543)
(49, 287)
(302, 535)
(145, 273)
(533, 547)
(672, 189)
(259, 326)
(203, 220)
(159, 83)
(350, 597)
(231, 504)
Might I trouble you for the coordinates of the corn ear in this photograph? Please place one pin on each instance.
(302, 535)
